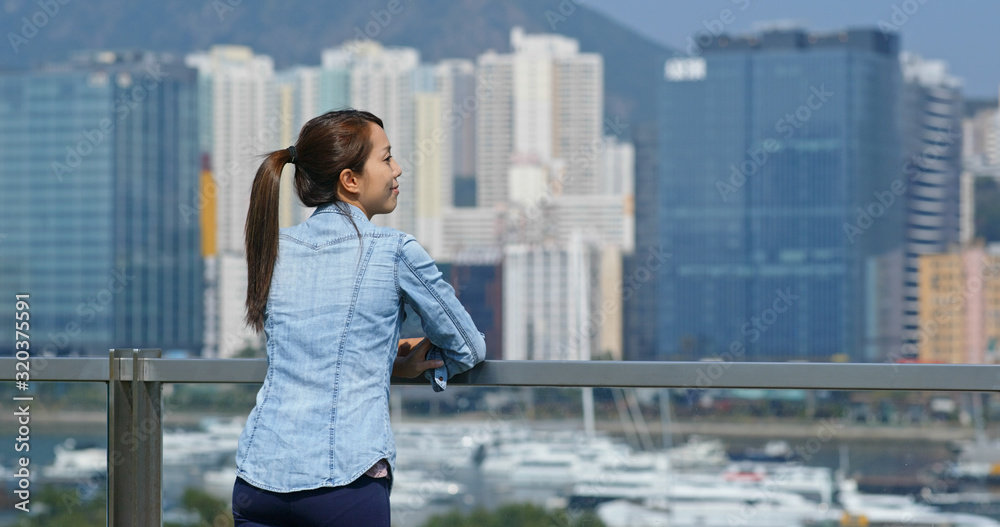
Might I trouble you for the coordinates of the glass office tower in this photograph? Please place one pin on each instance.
(98, 158)
(779, 199)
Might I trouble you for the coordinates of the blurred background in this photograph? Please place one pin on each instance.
(728, 180)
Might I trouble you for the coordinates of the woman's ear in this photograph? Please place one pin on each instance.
(349, 181)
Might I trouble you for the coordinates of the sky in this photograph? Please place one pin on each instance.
(965, 33)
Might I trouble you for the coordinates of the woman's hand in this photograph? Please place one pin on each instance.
(411, 358)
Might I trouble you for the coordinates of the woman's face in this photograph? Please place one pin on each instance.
(378, 187)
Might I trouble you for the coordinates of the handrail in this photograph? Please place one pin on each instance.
(621, 374)
(135, 378)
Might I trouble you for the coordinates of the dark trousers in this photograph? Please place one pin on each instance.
(365, 501)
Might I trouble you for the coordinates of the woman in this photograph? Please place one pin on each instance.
(329, 296)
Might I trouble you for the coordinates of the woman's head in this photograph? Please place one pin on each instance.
(342, 156)
(375, 189)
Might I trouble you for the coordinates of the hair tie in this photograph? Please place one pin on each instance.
(295, 155)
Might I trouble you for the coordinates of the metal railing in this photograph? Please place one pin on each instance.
(135, 378)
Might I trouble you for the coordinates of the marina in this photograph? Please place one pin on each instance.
(462, 465)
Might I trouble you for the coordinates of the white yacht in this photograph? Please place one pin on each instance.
(74, 464)
(430, 447)
(194, 448)
(698, 453)
(213, 444)
(416, 489)
(690, 500)
(886, 509)
(557, 460)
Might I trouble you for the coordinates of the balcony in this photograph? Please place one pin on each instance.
(857, 421)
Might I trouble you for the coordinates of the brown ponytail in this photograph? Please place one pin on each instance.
(261, 233)
(326, 145)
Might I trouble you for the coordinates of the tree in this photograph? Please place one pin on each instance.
(213, 511)
(65, 507)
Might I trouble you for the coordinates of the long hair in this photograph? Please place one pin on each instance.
(327, 145)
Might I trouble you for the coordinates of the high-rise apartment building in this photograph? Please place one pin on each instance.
(959, 306)
(382, 81)
(981, 134)
(980, 158)
(455, 79)
(563, 221)
(549, 295)
(242, 120)
(301, 93)
(445, 106)
(932, 130)
(494, 129)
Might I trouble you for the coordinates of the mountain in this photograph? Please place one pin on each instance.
(295, 31)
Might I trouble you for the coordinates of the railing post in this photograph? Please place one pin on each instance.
(135, 442)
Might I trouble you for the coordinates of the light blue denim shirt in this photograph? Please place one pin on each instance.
(332, 323)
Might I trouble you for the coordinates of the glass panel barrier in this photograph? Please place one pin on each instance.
(62, 431)
(201, 427)
(632, 457)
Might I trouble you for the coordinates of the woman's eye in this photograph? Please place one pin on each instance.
(387, 159)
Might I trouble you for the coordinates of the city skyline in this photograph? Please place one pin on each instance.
(551, 121)
(535, 175)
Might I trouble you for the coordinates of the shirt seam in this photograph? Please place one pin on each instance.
(326, 483)
(340, 354)
(267, 390)
(341, 239)
(395, 268)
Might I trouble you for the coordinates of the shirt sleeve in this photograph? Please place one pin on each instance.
(444, 320)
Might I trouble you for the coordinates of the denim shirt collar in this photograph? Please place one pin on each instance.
(333, 206)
